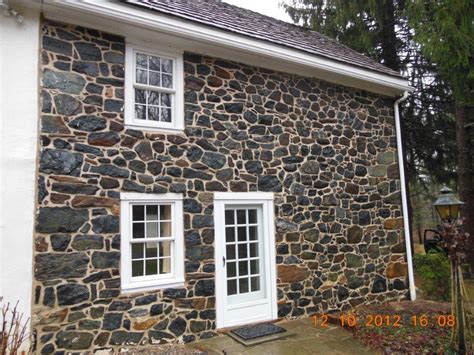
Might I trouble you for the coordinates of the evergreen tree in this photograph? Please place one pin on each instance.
(445, 30)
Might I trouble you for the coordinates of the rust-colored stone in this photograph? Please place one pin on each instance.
(396, 270)
(147, 324)
(292, 273)
(59, 198)
(92, 201)
(393, 223)
(194, 303)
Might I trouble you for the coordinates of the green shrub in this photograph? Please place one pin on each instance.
(434, 273)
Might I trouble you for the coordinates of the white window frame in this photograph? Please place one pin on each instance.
(177, 107)
(176, 277)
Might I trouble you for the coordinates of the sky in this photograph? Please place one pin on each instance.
(266, 7)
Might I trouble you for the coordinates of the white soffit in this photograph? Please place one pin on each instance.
(150, 26)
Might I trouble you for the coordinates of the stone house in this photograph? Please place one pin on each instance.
(192, 166)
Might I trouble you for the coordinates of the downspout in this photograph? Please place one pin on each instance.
(406, 224)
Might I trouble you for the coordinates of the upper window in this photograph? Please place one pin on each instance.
(154, 89)
(151, 241)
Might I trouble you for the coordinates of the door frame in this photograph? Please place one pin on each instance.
(265, 199)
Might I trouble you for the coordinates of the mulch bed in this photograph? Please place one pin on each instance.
(376, 327)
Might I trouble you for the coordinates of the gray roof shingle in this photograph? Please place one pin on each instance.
(235, 19)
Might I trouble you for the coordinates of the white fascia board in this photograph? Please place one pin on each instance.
(325, 68)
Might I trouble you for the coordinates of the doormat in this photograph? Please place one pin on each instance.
(258, 333)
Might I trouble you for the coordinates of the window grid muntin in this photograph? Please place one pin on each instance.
(156, 240)
(249, 279)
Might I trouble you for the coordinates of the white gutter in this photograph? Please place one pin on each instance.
(406, 224)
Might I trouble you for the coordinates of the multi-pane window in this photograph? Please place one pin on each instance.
(151, 240)
(242, 251)
(153, 89)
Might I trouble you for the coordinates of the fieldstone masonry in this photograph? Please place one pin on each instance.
(326, 151)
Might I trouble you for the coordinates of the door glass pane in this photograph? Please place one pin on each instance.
(253, 233)
(230, 251)
(241, 217)
(243, 268)
(255, 283)
(253, 250)
(242, 234)
(252, 216)
(243, 285)
(231, 287)
(229, 217)
(231, 270)
(254, 267)
(242, 251)
(229, 234)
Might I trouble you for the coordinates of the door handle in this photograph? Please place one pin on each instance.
(223, 261)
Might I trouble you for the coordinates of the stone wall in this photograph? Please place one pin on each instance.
(326, 151)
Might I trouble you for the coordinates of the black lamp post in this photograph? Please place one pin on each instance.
(448, 207)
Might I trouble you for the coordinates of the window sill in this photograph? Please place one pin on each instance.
(151, 286)
(156, 129)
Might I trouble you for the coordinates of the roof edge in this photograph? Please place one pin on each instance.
(389, 84)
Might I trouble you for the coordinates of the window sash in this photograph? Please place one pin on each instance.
(173, 119)
(174, 261)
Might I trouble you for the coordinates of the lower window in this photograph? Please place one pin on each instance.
(151, 241)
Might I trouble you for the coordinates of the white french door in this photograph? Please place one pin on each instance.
(245, 258)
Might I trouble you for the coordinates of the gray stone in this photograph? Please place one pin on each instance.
(53, 124)
(60, 162)
(72, 340)
(214, 160)
(50, 266)
(201, 221)
(269, 183)
(57, 46)
(60, 219)
(201, 252)
(177, 326)
(60, 242)
(204, 288)
(353, 260)
(70, 294)
(67, 105)
(105, 260)
(88, 123)
(112, 321)
(354, 234)
(379, 285)
(110, 170)
(66, 82)
(88, 51)
(87, 242)
(106, 224)
(310, 167)
(87, 68)
(121, 337)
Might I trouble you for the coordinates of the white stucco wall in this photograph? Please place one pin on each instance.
(18, 146)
